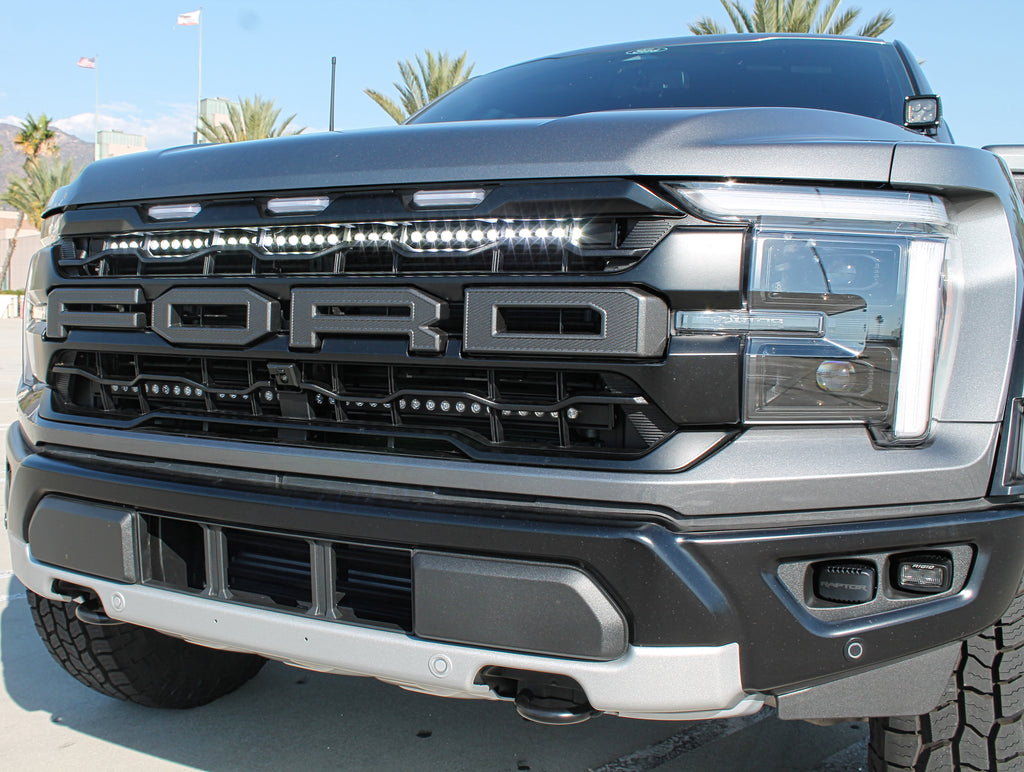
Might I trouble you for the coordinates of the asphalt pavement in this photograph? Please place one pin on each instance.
(287, 718)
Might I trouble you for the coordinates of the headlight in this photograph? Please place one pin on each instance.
(844, 302)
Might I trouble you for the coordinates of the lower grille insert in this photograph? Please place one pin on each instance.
(339, 581)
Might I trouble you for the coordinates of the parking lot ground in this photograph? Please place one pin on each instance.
(287, 718)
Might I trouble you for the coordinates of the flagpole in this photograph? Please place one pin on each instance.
(96, 111)
(199, 88)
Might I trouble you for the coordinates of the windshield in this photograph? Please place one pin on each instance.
(850, 76)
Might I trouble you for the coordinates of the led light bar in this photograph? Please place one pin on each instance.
(174, 211)
(438, 236)
(448, 199)
(923, 307)
(307, 205)
(740, 201)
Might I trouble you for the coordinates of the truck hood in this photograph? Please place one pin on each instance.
(767, 143)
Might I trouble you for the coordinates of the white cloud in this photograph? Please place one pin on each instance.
(172, 127)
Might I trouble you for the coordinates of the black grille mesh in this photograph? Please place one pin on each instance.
(356, 405)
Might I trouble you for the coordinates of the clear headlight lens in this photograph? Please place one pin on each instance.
(844, 303)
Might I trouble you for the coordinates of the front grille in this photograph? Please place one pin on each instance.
(358, 583)
(395, 408)
(383, 249)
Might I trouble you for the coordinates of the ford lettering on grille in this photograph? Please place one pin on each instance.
(629, 322)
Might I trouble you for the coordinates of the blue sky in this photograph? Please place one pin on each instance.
(147, 65)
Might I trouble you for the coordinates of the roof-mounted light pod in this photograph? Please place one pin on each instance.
(922, 112)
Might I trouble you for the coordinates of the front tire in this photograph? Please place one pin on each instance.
(977, 726)
(137, 664)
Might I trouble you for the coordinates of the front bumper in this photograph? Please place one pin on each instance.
(715, 620)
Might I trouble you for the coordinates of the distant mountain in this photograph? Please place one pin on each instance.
(12, 159)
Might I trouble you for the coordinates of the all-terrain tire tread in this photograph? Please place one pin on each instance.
(137, 664)
(977, 725)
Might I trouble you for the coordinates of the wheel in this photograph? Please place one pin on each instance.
(977, 726)
(138, 664)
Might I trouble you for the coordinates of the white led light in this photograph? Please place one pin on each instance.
(492, 234)
(415, 237)
(387, 236)
(476, 235)
(133, 244)
(373, 236)
(460, 407)
(306, 240)
(187, 243)
(542, 233)
(188, 391)
(123, 245)
(165, 244)
(293, 240)
(360, 237)
(332, 239)
(446, 406)
(431, 404)
(174, 211)
(280, 241)
(298, 205)
(175, 244)
(415, 404)
(319, 239)
(431, 236)
(558, 232)
(443, 199)
(509, 233)
(446, 235)
(476, 407)
(177, 390)
(731, 201)
(524, 233)
(461, 235)
(401, 404)
(921, 314)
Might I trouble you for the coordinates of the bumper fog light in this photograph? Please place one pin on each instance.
(925, 574)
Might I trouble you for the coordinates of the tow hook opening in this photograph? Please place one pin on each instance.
(88, 606)
(545, 698)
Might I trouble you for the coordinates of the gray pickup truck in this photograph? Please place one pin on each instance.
(667, 380)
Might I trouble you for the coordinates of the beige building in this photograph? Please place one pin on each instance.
(28, 243)
(114, 143)
(215, 110)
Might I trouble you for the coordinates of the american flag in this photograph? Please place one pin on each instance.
(89, 62)
(188, 19)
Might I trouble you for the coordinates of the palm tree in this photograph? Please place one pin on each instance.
(35, 139)
(254, 118)
(29, 196)
(792, 16)
(422, 83)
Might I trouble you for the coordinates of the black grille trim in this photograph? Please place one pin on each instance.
(339, 581)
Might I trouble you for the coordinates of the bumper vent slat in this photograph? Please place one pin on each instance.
(372, 585)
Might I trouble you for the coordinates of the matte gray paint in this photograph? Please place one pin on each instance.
(908, 688)
(762, 142)
(510, 604)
